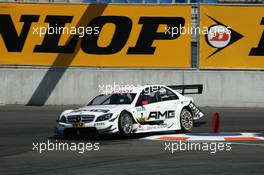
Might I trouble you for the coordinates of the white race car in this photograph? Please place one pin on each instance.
(150, 108)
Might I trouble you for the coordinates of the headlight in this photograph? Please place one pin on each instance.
(62, 119)
(104, 117)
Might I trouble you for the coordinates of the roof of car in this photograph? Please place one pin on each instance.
(134, 89)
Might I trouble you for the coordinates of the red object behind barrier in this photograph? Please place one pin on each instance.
(216, 122)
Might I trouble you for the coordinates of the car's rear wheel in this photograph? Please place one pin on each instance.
(125, 124)
(186, 120)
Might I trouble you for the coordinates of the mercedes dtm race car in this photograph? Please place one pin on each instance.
(149, 108)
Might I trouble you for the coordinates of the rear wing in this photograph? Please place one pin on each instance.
(188, 89)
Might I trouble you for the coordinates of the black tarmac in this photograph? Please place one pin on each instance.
(23, 126)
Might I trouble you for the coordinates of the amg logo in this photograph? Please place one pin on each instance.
(158, 115)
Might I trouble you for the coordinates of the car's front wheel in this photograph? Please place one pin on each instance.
(125, 124)
(186, 120)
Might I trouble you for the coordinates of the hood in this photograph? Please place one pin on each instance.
(97, 110)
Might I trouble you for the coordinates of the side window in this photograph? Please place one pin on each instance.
(148, 96)
(166, 94)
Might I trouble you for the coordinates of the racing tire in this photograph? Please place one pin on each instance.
(125, 124)
(186, 120)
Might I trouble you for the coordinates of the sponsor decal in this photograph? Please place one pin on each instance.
(93, 35)
(157, 115)
(218, 36)
(151, 127)
(140, 109)
(196, 111)
(142, 119)
(259, 50)
(235, 39)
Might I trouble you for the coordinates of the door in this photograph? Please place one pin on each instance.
(167, 105)
(147, 104)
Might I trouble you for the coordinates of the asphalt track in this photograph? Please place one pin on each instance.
(21, 126)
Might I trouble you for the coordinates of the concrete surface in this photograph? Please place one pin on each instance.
(79, 86)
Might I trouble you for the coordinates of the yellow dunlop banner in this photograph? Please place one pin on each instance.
(235, 37)
(94, 35)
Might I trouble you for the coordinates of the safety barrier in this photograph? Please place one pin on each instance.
(67, 69)
(100, 35)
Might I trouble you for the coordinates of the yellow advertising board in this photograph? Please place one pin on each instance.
(94, 35)
(235, 37)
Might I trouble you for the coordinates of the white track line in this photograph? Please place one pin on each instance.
(205, 138)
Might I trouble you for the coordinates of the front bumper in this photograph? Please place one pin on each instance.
(64, 129)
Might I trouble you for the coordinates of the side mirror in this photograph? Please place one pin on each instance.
(144, 102)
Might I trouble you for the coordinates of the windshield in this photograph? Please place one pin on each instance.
(113, 99)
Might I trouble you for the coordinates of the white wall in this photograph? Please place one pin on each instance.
(78, 86)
